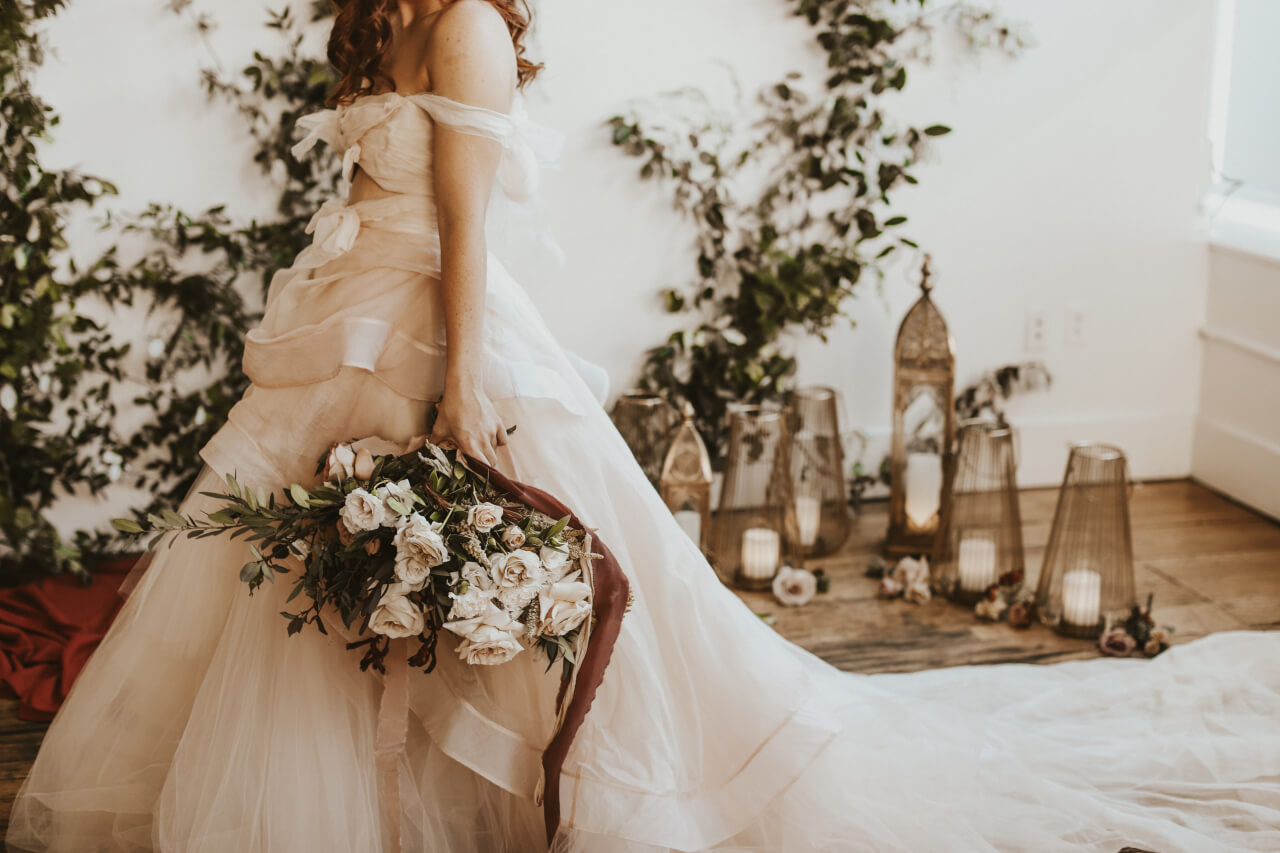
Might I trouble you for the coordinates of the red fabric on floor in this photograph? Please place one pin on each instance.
(48, 629)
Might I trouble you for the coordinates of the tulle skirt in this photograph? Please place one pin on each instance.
(198, 725)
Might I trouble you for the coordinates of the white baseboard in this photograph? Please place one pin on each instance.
(1243, 466)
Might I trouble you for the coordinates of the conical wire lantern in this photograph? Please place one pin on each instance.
(646, 421)
(749, 542)
(821, 502)
(1086, 584)
(980, 535)
(686, 479)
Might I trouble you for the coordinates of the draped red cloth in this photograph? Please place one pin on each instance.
(48, 629)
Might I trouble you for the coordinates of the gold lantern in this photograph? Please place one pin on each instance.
(685, 483)
(818, 489)
(923, 425)
(645, 421)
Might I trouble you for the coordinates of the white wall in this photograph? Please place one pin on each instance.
(1072, 179)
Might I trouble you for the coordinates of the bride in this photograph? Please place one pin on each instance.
(200, 726)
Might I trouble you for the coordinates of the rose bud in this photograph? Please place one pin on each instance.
(371, 547)
(363, 467)
(1152, 648)
(1020, 615)
(1160, 635)
(1117, 642)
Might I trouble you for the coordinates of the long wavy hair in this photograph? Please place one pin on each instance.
(361, 39)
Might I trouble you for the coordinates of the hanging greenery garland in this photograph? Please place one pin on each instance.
(784, 259)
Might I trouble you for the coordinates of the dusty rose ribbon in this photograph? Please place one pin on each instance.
(393, 730)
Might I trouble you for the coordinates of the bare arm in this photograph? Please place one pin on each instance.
(470, 60)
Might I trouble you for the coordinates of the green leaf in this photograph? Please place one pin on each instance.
(299, 495)
(937, 130)
(126, 525)
(250, 570)
(173, 518)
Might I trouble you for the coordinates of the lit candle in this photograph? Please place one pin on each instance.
(923, 488)
(761, 548)
(808, 515)
(691, 522)
(977, 562)
(1081, 597)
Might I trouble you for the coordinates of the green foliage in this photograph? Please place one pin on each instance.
(61, 370)
(785, 258)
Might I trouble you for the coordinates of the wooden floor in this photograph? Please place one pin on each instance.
(1213, 566)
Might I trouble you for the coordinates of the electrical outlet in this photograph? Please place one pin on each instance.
(1076, 323)
(1037, 331)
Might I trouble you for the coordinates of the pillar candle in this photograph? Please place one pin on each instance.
(808, 516)
(976, 562)
(761, 548)
(1081, 597)
(923, 487)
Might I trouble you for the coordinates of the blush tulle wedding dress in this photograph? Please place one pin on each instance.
(198, 725)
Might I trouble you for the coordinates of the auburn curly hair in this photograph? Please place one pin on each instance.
(361, 39)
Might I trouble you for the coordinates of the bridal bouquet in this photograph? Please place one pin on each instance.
(405, 545)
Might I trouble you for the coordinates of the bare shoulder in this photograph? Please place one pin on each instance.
(470, 56)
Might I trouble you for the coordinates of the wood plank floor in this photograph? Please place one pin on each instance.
(1212, 564)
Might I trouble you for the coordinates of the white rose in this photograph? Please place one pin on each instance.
(794, 587)
(484, 516)
(419, 548)
(563, 606)
(513, 536)
(491, 638)
(517, 569)
(476, 575)
(488, 646)
(401, 491)
(912, 572)
(341, 462)
(362, 511)
(553, 558)
(396, 615)
(470, 604)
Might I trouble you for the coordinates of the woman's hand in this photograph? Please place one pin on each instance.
(467, 415)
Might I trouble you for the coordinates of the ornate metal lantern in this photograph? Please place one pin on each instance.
(685, 484)
(923, 425)
(1086, 584)
(980, 534)
(818, 489)
(646, 421)
(749, 535)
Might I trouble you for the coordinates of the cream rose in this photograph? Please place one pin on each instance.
(419, 548)
(401, 491)
(517, 577)
(470, 604)
(794, 587)
(362, 511)
(513, 536)
(484, 516)
(396, 615)
(563, 606)
(340, 462)
(476, 575)
(554, 558)
(490, 638)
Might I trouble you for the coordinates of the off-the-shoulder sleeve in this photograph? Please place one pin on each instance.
(468, 118)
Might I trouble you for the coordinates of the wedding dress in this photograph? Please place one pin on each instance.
(199, 726)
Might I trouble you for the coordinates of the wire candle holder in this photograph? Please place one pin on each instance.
(980, 535)
(749, 533)
(1086, 584)
(646, 422)
(821, 503)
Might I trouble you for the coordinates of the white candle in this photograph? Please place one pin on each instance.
(808, 516)
(690, 520)
(1081, 597)
(977, 562)
(761, 548)
(923, 487)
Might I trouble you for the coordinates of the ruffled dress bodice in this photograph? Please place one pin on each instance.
(362, 302)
